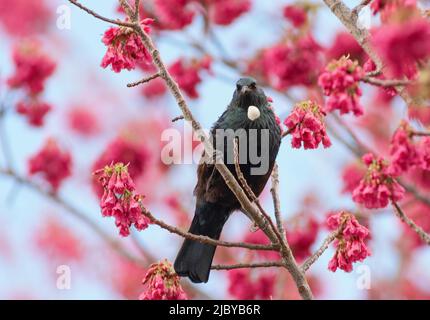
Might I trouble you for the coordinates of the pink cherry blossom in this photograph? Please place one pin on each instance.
(403, 151)
(125, 48)
(295, 14)
(344, 44)
(378, 187)
(119, 199)
(125, 150)
(302, 237)
(187, 74)
(162, 283)
(82, 120)
(289, 63)
(340, 82)
(56, 241)
(408, 42)
(23, 18)
(350, 243)
(51, 163)
(306, 126)
(224, 12)
(174, 14)
(34, 110)
(351, 177)
(32, 67)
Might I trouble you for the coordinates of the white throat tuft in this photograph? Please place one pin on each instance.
(253, 113)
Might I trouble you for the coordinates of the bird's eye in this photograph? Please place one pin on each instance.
(238, 87)
(253, 85)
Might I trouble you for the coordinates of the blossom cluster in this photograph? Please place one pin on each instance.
(34, 110)
(174, 14)
(23, 17)
(302, 237)
(187, 74)
(289, 63)
(83, 120)
(122, 149)
(296, 14)
(344, 44)
(389, 8)
(340, 82)
(125, 48)
(51, 163)
(178, 14)
(119, 199)
(404, 153)
(224, 12)
(33, 67)
(350, 242)
(306, 125)
(408, 42)
(162, 283)
(55, 241)
(378, 186)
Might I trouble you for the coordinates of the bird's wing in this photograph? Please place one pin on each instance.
(210, 184)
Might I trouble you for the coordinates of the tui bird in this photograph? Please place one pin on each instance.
(249, 116)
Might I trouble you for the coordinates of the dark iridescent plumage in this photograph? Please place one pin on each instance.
(215, 201)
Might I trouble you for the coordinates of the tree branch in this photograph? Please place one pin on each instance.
(421, 233)
(145, 80)
(204, 239)
(276, 201)
(250, 193)
(330, 238)
(349, 20)
(248, 265)
(100, 17)
(385, 82)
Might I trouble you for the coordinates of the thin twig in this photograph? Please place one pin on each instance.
(204, 239)
(385, 82)
(421, 133)
(100, 17)
(287, 132)
(145, 80)
(248, 265)
(250, 193)
(356, 10)
(421, 233)
(178, 118)
(314, 257)
(276, 201)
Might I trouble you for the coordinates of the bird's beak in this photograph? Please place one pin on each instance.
(245, 90)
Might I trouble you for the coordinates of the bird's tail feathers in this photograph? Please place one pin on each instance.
(194, 260)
